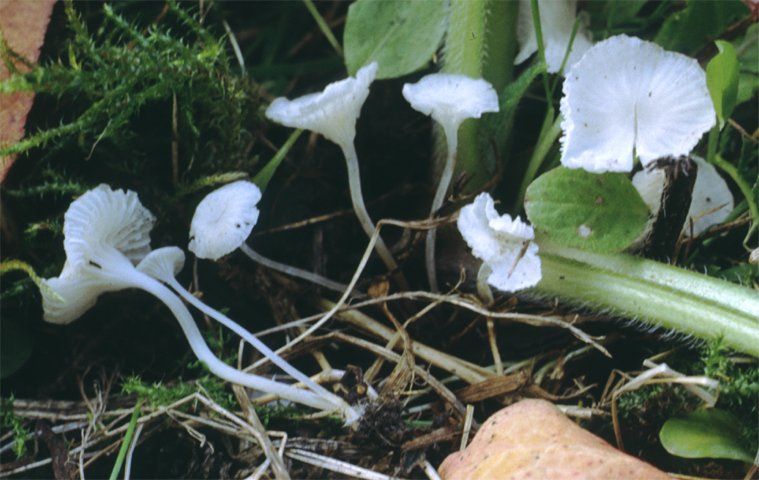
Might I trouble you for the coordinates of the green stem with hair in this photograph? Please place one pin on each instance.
(653, 293)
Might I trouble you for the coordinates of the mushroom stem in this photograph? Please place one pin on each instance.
(252, 340)
(354, 184)
(292, 271)
(451, 135)
(221, 369)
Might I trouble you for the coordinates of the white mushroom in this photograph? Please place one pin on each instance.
(627, 97)
(223, 221)
(449, 99)
(711, 201)
(505, 245)
(104, 232)
(333, 114)
(557, 19)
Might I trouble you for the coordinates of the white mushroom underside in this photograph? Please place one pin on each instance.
(627, 94)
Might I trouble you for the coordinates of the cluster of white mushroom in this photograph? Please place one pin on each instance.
(624, 99)
(107, 244)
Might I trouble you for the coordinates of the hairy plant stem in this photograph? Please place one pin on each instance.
(357, 198)
(480, 43)
(654, 293)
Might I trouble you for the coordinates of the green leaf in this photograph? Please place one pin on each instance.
(722, 80)
(687, 30)
(601, 213)
(401, 36)
(708, 433)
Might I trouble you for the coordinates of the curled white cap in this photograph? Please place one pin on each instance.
(627, 94)
(103, 217)
(224, 219)
(557, 19)
(105, 232)
(332, 112)
(503, 243)
(451, 98)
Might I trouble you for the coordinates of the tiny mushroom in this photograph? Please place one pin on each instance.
(557, 20)
(333, 114)
(711, 201)
(504, 245)
(449, 99)
(105, 233)
(223, 221)
(629, 98)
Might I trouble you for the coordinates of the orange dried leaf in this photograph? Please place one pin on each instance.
(23, 25)
(533, 439)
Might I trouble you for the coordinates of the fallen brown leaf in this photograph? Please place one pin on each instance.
(23, 25)
(533, 439)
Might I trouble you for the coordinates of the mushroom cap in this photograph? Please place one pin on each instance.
(106, 218)
(224, 219)
(77, 292)
(451, 98)
(106, 232)
(162, 263)
(711, 201)
(499, 241)
(332, 112)
(625, 94)
(557, 19)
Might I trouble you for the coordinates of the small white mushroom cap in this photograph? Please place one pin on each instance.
(499, 241)
(627, 94)
(711, 202)
(557, 19)
(451, 98)
(105, 232)
(332, 112)
(162, 263)
(224, 219)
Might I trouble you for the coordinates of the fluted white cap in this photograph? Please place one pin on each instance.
(451, 98)
(332, 112)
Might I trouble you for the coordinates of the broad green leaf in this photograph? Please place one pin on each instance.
(722, 79)
(401, 36)
(601, 213)
(708, 433)
(687, 30)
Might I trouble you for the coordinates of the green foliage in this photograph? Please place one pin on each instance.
(689, 29)
(161, 395)
(400, 36)
(10, 422)
(722, 80)
(747, 50)
(113, 75)
(601, 213)
(710, 433)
